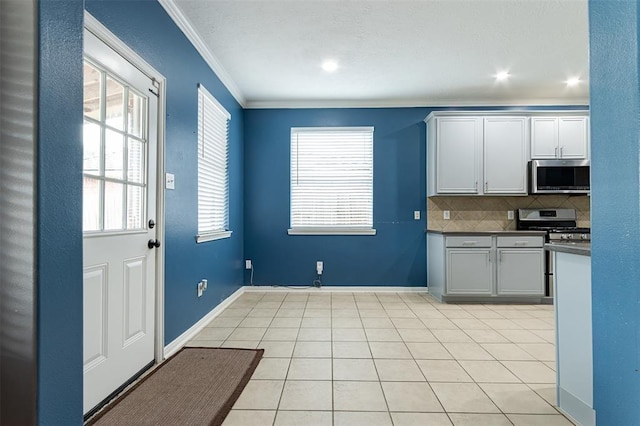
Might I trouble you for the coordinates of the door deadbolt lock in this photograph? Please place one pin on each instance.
(152, 224)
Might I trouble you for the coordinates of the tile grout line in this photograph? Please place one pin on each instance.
(384, 395)
(284, 383)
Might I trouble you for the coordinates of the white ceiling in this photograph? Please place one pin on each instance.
(394, 52)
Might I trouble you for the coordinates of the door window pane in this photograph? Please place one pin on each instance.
(114, 155)
(136, 114)
(113, 206)
(91, 145)
(134, 207)
(91, 204)
(92, 91)
(135, 163)
(115, 104)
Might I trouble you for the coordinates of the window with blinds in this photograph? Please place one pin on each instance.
(332, 180)
(213, 172)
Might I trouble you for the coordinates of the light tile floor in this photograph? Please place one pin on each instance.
(376, 359)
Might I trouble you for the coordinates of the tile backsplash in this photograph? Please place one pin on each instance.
(482, 213)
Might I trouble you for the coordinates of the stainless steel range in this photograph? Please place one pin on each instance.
(560, 225)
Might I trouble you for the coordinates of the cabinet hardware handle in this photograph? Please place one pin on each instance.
(556, 152)
(486, 185)
(476, 186)
(521, 243)
(469, 243)
(561, 148)
(488, 258)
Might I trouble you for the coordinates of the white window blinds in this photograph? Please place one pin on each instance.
(332, 180)
(213, 176)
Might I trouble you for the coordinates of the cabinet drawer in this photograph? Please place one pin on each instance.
(521, 241)
(469, 241)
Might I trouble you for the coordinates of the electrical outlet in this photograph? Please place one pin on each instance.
(247, 264)
(319, 267)
(416, 215)
(510, 214)
(446, 215)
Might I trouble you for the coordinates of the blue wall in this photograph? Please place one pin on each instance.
(147, 29)
(615, 212)
(395, 256)
(59, 207)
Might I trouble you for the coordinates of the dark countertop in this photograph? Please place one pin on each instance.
(514, 232)
(583, 249)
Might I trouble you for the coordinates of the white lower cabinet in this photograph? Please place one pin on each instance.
(520, 271)
(469, 271)
(490, 266)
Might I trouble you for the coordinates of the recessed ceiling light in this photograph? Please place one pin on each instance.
(573, 81)
(329, 66)
(502, 75)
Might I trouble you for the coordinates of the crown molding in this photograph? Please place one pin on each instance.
(403, 103)
(175, 13)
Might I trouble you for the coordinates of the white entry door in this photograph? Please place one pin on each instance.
(119, 208)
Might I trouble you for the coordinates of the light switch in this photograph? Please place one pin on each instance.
(170, 181)
(416, 215)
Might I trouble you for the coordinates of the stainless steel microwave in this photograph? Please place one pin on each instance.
(559, 177)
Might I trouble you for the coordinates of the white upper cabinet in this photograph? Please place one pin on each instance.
(573, 137)
(487, 153)
(457, 150)
(544, 137)
(505, 155)
(564, 137)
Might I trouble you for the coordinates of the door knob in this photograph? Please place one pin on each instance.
(153, 243)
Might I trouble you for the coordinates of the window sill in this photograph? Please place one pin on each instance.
(213, 236)
(331, 231)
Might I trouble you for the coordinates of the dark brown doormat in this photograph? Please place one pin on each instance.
(197, 386)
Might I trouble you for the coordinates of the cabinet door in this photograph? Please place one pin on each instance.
(458, 145)
(573, 137)
(520, 272)
(505, 155)
(544, 137)
(469, 271)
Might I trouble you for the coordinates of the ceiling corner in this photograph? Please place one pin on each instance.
(175, 13)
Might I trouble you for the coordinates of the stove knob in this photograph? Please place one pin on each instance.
(564, 236)
(585, 237)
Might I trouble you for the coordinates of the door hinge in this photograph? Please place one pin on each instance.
(156, 84)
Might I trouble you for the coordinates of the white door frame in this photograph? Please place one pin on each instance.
(110, 39)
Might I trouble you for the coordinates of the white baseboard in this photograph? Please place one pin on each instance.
(338, 289)
(196, 328)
